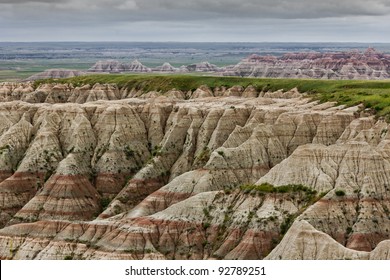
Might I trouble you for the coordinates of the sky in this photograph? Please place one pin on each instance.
(195, 20)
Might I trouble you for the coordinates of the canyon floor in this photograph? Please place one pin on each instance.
(221, 170)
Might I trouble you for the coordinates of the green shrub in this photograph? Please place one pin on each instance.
(128, 152)
(268, 188)
(104, 202)
(156, 151)
(286, 224)
(206, 225)
(340, 193)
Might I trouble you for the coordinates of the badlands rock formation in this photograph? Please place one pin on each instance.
(342, 65)
(99, 172)
(114, 66)
(56, 74)
(166, 68)
(200, 67)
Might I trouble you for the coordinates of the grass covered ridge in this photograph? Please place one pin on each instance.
(373, 94)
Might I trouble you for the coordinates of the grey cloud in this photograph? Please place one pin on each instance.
(271, 8)
(308, 30)
(197, 20)
(138, 10)
(28, 1)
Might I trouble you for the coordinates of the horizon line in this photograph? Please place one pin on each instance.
(203, 42)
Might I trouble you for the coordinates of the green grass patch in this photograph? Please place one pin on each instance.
(11, 70)
(306, 194)
(268, 188)
(13, 75)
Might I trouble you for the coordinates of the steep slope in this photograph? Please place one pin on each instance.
(100, 172)
(355, 211)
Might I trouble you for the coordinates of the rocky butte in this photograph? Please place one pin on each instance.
(102, 172)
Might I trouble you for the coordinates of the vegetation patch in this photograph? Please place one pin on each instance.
(340, 193)
(304, 194)
(156, 151)
(268, 188)
(204, 156)
(128, 152)
(104, 202)
(286, 224)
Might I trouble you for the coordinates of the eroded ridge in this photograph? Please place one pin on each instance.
(232, 174)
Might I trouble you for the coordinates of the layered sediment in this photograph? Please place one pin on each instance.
(98, 172)
(351, 65)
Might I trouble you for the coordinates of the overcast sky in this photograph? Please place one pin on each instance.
(196, 20)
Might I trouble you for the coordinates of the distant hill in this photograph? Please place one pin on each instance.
(56, 74)
(352, 65)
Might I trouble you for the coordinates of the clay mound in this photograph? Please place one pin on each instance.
(16, 191)
(137, 66)
(63, 197)
(108, 66)
(166, 67)
(201, 67)
(56, 74)
(114, 66)
(305, 242)
(14, 91)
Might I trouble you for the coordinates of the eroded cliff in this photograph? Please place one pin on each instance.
(99, 172)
